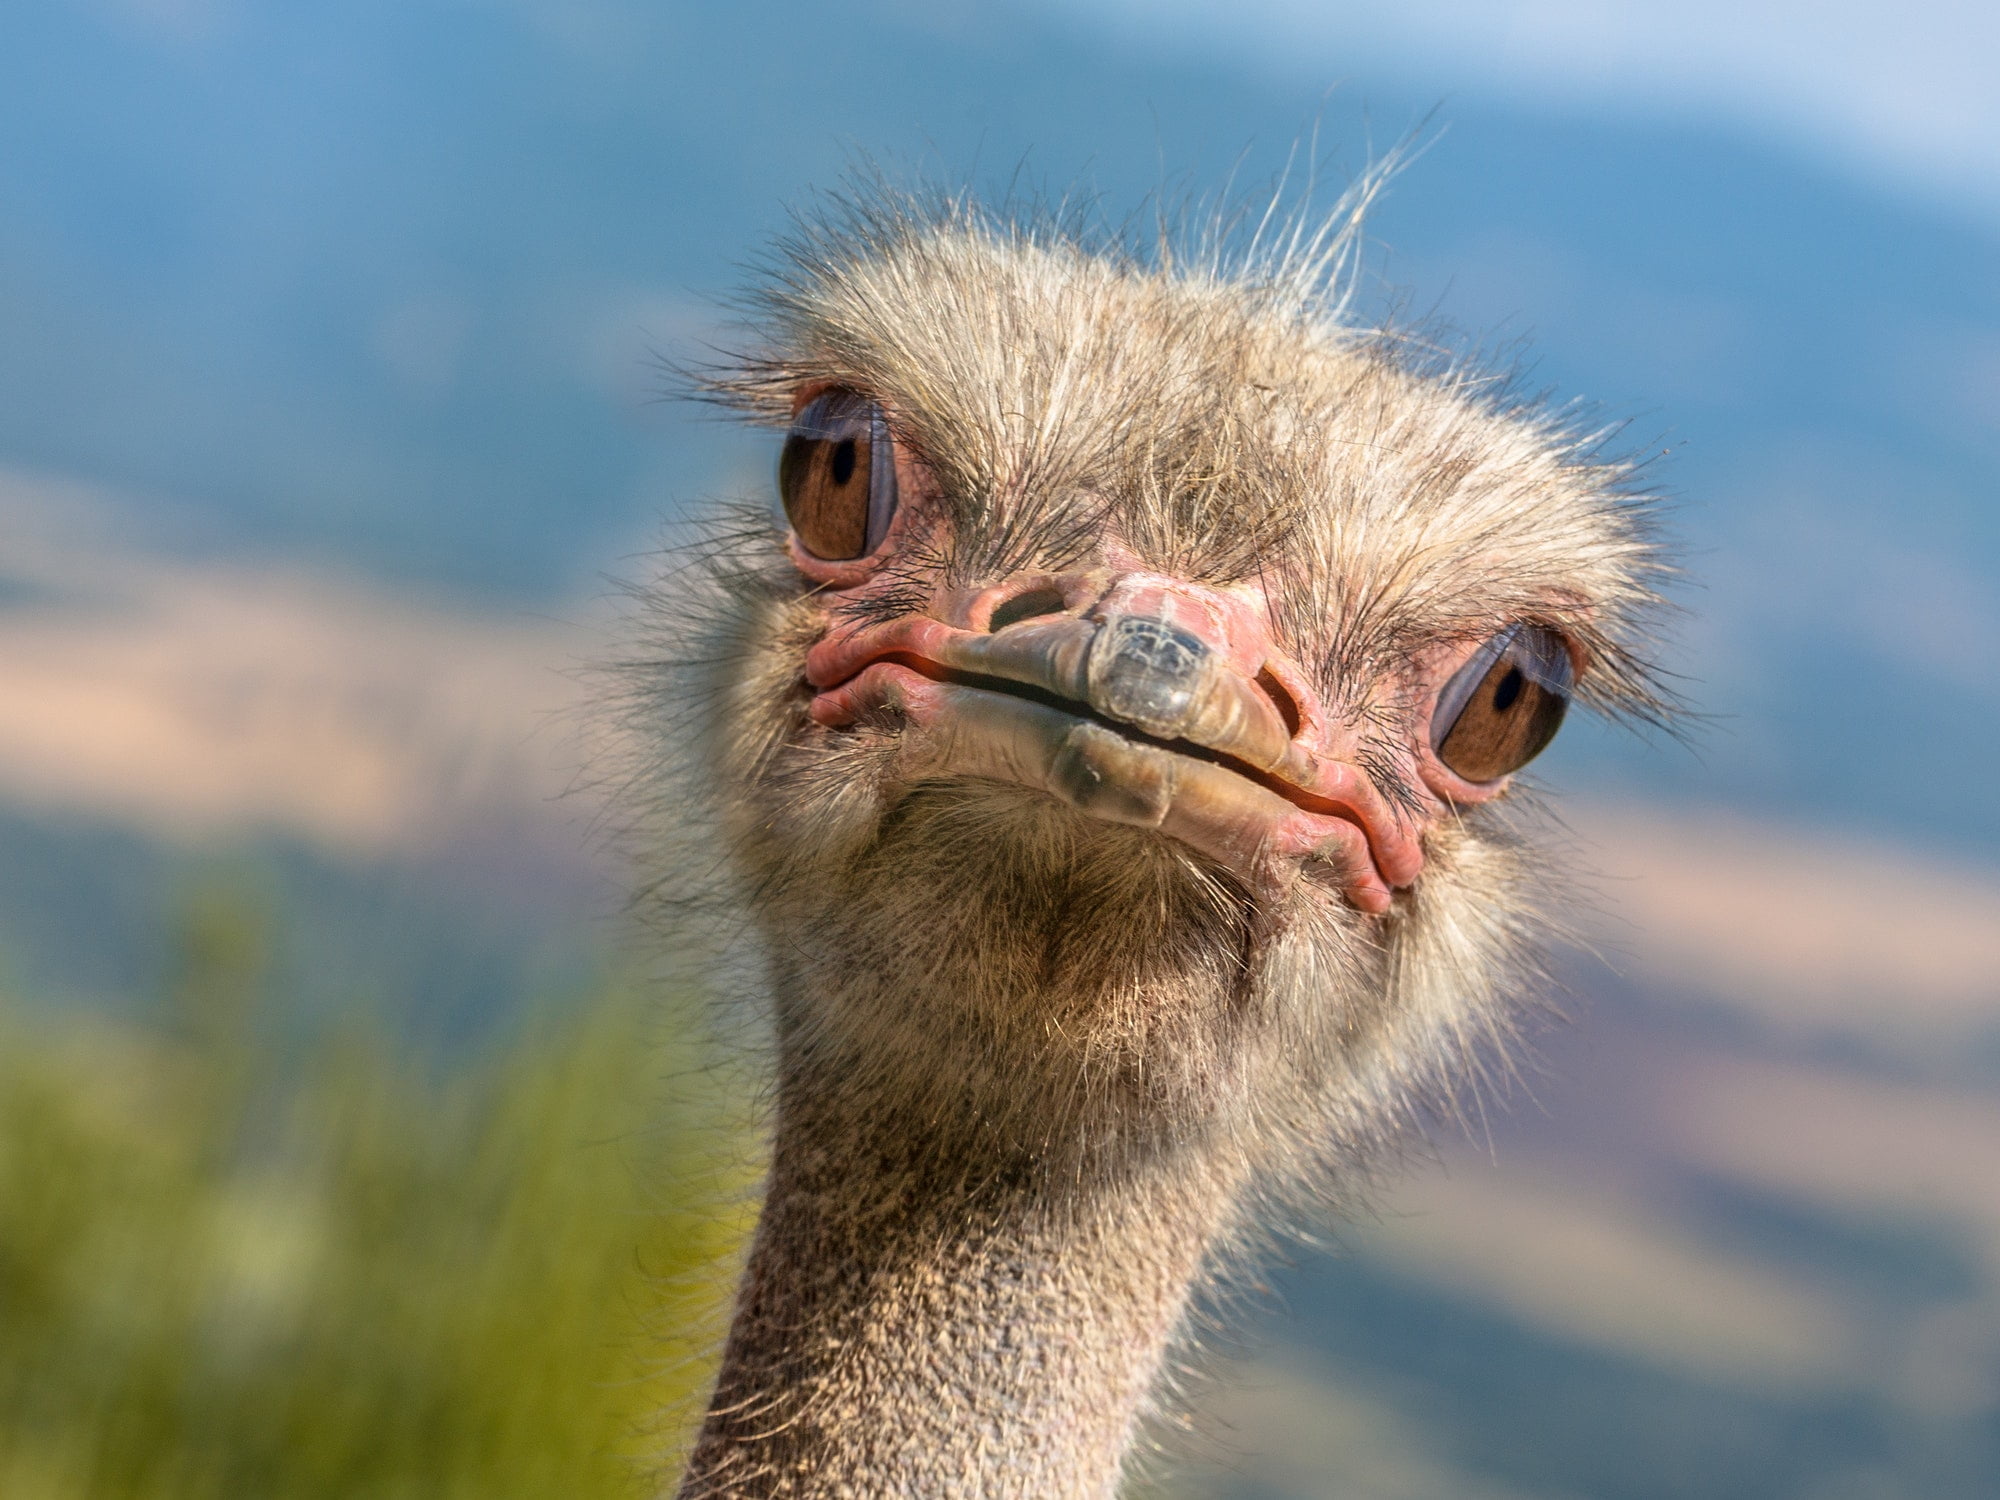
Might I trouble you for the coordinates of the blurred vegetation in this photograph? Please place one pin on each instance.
(238, 1264)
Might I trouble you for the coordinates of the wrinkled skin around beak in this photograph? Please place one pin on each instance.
(1135, 698)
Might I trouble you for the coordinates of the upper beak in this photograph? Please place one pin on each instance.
(1153, 675)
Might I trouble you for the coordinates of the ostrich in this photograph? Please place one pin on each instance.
(1107, 754)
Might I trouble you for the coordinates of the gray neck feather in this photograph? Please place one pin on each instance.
(938, 1316)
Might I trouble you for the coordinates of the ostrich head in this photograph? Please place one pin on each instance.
(1110, 741)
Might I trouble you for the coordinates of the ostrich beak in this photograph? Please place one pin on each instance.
(1133, 718)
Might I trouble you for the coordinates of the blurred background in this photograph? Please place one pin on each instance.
(345, 1147)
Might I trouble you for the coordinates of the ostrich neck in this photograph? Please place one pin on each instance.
(925, 1319)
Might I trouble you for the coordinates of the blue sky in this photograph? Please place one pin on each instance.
(1900, 94)
(378, 286)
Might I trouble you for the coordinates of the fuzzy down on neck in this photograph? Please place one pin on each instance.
(918, 1320)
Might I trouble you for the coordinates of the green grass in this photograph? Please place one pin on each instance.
(235, 1265)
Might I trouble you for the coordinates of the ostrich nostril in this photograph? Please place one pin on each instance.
(1027, 605)
(1288, 706)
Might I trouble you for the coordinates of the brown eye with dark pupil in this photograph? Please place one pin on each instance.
(837, 476)
(1501, 709)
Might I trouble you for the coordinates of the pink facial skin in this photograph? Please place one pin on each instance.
(1230, 775)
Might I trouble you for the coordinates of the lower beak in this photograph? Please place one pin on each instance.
(1253, 832)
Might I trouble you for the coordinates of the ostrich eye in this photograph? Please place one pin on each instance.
(837, 476)
(1501, 709)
